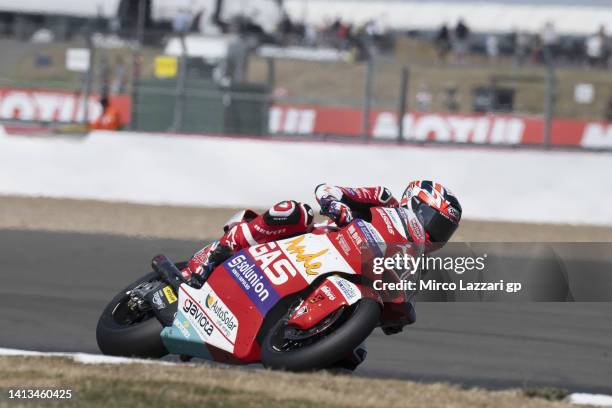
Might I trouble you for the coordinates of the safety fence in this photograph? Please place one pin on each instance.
(228, 85)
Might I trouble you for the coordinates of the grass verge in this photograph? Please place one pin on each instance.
(191, 385)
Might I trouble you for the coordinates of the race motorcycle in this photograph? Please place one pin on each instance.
(301, 303)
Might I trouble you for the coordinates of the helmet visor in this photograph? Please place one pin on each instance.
(439, 228)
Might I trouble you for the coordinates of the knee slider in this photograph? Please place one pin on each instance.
(289, 213)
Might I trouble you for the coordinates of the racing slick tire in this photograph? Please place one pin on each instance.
(327, 349)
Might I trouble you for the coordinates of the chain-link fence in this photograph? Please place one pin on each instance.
(163, 81)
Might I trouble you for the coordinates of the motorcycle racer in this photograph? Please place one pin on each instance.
(297, 312)
(433, 208)
(436, 208)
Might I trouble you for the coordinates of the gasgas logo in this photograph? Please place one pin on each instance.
(307, 259)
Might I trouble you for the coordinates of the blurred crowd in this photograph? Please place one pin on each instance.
(545, 46)
(452, 42)
(365, 39)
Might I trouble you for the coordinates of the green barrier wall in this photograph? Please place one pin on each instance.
(206, 107)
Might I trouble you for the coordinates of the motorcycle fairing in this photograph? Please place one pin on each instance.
(331, 294)
(290, 264)
(202, 318)
(181, 338)
(254, 280)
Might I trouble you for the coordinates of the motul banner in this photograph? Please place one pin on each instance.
(48, 105)
(495, 129)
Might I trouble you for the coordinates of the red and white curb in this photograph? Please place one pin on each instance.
(578, 398)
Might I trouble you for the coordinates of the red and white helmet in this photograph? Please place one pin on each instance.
(435, 206)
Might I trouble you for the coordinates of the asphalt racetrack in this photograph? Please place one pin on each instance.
(55, 284)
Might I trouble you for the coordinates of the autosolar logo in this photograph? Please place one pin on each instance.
(225, 319)
(248, 275)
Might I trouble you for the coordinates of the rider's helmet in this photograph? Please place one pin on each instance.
(435, 206)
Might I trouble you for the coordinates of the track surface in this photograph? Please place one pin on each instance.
(54, 285)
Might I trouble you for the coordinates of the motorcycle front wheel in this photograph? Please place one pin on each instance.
(286, 348)
(121, 332)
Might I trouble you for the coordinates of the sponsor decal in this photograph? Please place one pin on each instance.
(157, 301)
(351, 191)
(250, 277)
(396, 220)
(267, 232)
(417, 229)
(170, 296)
(348, 289)
(197, 315)
(222, 316)
(371, 236)
(183, 327)
(325, 289)
(276, 267)
(301, 257)
(355, 237)
(387, 220)
(453, 212)
(343, 244)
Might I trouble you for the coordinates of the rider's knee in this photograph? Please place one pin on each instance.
(291, 213)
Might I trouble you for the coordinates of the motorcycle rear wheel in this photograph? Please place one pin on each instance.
(326, 349)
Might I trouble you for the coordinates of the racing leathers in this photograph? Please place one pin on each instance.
(287, 219)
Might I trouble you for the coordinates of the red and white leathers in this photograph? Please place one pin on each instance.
(342, 204)
(290, 218)
(283, 220)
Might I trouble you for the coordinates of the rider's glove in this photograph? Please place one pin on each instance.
(339, 212)
(217, 254)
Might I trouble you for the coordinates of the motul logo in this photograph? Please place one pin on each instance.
(458, 129)
(291, 120)
(597, 135)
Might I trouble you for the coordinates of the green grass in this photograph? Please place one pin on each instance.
(204, 385)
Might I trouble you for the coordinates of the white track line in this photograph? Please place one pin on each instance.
(84, 358)
(599, 400)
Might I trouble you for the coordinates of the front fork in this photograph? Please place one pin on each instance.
(333, 293)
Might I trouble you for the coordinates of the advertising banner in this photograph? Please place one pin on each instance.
(50, 105)
(497, 129)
